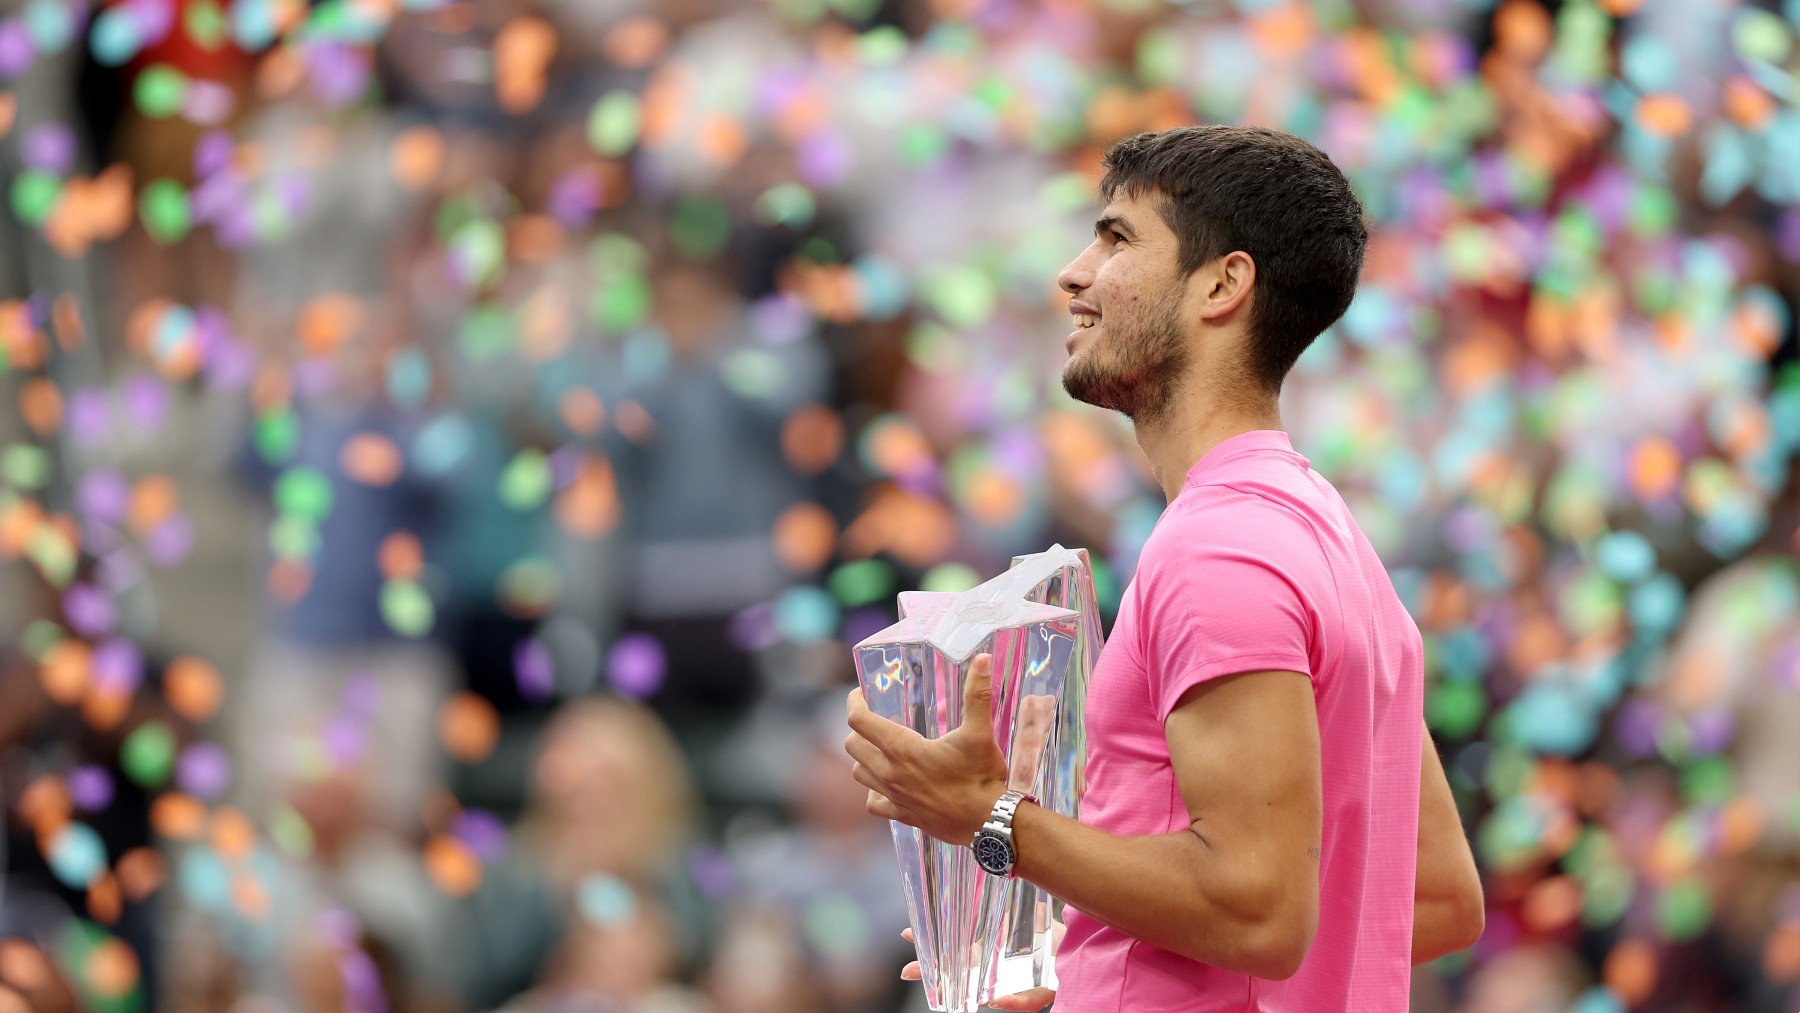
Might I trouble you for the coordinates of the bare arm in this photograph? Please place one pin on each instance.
(1447, 904)
(1238, 889)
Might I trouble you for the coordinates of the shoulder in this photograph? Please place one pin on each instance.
(1221, 524)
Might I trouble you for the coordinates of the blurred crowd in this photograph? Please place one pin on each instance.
(453, 445)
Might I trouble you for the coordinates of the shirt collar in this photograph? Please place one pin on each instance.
(1235, 446)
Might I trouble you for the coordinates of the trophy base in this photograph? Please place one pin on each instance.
(1014, 974)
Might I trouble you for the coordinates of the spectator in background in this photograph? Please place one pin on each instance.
(594, 894)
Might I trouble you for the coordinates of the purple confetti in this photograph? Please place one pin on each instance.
(16, 50)
(90, 788)
(204, 770)
(483, 833)
(146, 402)
(103, 496)
(534, 670)
(118, 666)
(49, 147)
(754, 629)
(635, 665)
(171, 542)
(89, 417)
(88, 611)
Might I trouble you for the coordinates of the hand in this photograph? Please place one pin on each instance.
(945, 786)
(1028, 1001)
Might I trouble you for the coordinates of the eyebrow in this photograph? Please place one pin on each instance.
(1114, 223)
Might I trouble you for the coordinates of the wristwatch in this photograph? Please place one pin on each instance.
(993, 843)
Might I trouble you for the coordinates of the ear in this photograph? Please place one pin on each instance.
(1224, 285)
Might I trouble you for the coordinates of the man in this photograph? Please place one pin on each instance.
(1265, 824)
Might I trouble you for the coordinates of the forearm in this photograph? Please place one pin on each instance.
(1169, 890)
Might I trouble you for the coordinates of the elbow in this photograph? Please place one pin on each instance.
(1470, 919)
(1271, 946)
(1283, 949)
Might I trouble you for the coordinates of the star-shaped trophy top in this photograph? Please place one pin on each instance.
(957, 623)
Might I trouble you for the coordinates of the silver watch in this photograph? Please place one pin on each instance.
(993, 843)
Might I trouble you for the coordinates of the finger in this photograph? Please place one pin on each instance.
(864, 752)
(887, 736)
(865, 777)
(911, 972)
(880, 805)
(1029, 1000)
(906, 934)
(978, 698)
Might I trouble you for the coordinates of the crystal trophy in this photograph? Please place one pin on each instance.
(979, 936)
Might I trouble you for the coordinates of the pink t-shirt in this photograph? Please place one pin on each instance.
(1257, 564)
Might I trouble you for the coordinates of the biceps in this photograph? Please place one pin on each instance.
(1446, 866)
(1246, 754)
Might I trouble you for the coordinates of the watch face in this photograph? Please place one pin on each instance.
(993, 854)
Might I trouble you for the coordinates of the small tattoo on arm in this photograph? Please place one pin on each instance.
(1313, 853)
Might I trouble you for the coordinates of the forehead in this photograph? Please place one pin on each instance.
(1140, 212)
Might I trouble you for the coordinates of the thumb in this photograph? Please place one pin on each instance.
(1028, 1001)
(978, 698)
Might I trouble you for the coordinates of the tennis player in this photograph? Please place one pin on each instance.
(1265, 823)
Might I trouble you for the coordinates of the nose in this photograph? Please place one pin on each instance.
(1078, 274)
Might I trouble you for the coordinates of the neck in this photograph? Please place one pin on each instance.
(1177, 439)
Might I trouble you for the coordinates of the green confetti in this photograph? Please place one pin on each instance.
(303, 492)
(612, 126)
(1454, 709)
(290, 832)
(163, 206)
(407, 608)
(700, 227)
(1762, 35)
(160, 91)
(525, 481)
(949, 577)
(1684, 910)
(34, 194)
(148, 754)
(862, 582)
(24, 466)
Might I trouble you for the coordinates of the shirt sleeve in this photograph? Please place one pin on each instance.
(1215, 610)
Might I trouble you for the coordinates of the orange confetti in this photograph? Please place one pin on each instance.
(111, 968)
(250, 897)
(41, 405)
(289, 580)
(583, 412)
(153, 501)
(1748, 104)
(9, 111)
(589, 507)
(1655, 468)
(995, 498)
(372, 459)
(804, 535)
(328, 321)
(103, 899)
(1284, 31)
(178, 817)
(522, 52)
(469, 727)
(64, 671)
(417, 157)
(24, 965)
(536, 239)
(1630, 971)
(65, 319)
(1665, 115)
(1523, 30)
(401, 556)
(105, 709)
(141, 873)
(233, 835)
(633, 422)
(723, 141)
(453, 867)
(1781, 954)
(193, 688)
(918, 529)
(1740, 826)
(45, 806)
(812, 438)
(1552, 903)
(636, 42)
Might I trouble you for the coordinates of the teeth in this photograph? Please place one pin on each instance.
(1084, 321)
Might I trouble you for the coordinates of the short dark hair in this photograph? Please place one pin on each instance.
(1269, 194)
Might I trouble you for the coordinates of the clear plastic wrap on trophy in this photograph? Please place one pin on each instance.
(979, 936)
